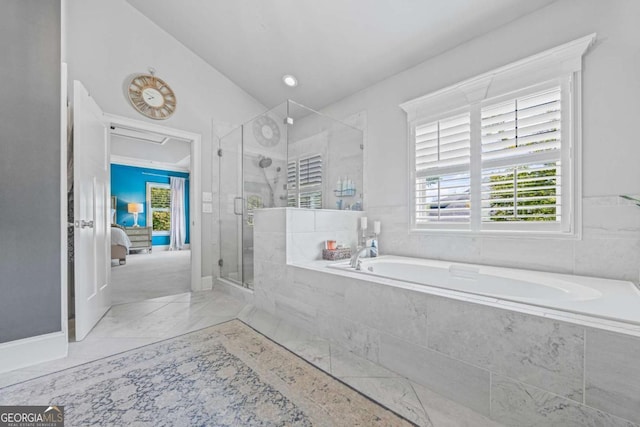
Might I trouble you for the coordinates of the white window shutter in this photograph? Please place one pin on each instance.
(521, 159)
(442, 161)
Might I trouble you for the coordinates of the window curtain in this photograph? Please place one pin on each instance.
(178, 232)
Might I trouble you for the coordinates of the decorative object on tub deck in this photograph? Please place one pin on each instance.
(336, 254)
(331, 245)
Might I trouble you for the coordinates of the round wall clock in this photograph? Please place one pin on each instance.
(151, 96)
(266, 131)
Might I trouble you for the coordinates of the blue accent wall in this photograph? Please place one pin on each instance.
(129, 185)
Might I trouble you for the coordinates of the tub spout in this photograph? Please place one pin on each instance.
(355, 258)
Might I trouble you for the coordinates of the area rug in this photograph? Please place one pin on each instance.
(225, 375)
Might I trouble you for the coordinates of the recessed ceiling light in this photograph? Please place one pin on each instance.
(290, 81)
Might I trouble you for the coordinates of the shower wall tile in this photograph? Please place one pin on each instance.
(327, 220)
(270, 276)
(454, 379)
(304, 247)
(531, 349)
(300, 220)
(517, 404)
(613, 373)
(273, 220)
(270, 246)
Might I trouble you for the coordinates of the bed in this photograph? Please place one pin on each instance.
(120, 244)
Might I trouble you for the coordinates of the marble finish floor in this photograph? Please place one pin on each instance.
(128, 326)
(223, 375)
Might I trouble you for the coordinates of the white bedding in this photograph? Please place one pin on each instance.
(119, 237)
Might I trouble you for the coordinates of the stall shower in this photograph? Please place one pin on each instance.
(289, 156)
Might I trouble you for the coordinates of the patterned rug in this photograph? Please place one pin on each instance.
(225, 375)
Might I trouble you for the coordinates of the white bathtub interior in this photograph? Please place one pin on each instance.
(602, 298)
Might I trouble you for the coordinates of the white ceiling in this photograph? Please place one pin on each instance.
(135, 149)
(333, 47)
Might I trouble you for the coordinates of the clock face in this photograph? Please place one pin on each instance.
(152, 97)
(266, 131)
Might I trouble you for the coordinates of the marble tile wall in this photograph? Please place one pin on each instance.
(612, 373)
(308, 229)
(530, 349)
(609, 246)
(519, 369)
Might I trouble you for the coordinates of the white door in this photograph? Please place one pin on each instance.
(91, 193)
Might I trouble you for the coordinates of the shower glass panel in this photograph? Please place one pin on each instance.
(325, 161)
(230, 214)
(264, 171)
(288, 156)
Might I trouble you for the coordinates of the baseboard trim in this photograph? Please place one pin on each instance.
(163, 248)
(31, 351)
(236, 291)
(206, 283)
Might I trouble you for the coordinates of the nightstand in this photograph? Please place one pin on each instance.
(140, 238)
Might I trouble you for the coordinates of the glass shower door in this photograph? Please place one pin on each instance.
(264, 174)
(231, 206)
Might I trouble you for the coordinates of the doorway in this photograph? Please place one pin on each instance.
(146, 159)
(90, 217)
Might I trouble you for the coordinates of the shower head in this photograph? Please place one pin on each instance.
(264, 162)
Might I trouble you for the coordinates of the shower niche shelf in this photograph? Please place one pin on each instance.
(345, 193)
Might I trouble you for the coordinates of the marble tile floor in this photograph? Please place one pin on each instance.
(132, 325)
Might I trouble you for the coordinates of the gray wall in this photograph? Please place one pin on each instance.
(29, 168)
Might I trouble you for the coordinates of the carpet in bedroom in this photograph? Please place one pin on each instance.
(154, 275)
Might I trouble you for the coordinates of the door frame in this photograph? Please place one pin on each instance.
(195, 185)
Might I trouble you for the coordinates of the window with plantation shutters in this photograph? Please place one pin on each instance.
(442, 158)
(310, 171)
(292, 175)
(497, 165)
(522, 158)
(499, 153)
(304, 182)
(311, 200)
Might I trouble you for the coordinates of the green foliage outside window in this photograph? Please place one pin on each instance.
(161, 208)
(161, 221)
(160, 197)
(535, 195)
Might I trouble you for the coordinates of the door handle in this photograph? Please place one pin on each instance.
(84, 224)
(235, 205)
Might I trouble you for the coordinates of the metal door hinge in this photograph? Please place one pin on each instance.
(219, 152)
(220, 262)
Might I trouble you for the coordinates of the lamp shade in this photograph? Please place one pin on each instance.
(135, 208)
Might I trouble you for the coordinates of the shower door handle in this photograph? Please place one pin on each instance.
(235, 205)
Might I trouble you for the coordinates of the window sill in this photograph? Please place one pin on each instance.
(494, 234)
